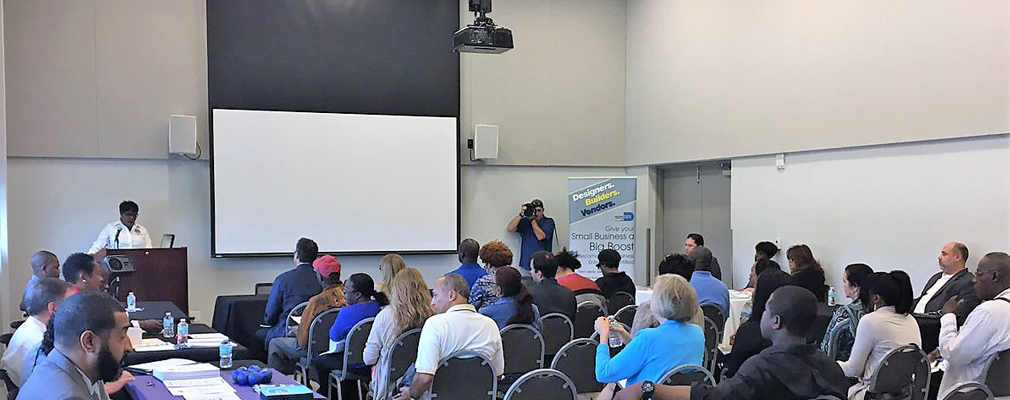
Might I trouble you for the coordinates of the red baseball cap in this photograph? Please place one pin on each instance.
(326, 265)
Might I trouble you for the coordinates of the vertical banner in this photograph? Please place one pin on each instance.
(601, 215)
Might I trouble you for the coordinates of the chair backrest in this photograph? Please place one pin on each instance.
(996, 374)
(969, 391)
(263, 288)
(903, 373)
(618, 301)
(296, 311)
(626, 315)
(711, 343)
(464, 375)
(319, 333)
(9, 384)
(402, 354)
(835, 335)
(713, 312)
(523, 346)
(354, 345)
(592, 297)
(585, 318)
(577, 360)
(557, 330)
(542, 384)
(687, 374)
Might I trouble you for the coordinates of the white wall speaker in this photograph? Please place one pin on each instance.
(182, 135)
(485, 142)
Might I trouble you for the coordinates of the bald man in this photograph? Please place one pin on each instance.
(45, 264)
(987, 329)
(469, 269)
(953, 280)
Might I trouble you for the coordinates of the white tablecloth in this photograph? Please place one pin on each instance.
(737, 300)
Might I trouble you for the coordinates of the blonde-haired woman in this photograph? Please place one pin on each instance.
(409, 306)
(654, 351)
(390, 265)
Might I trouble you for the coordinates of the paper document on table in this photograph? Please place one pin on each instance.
(178, 383)
(203, 343)
(164, 346)
(171, 362)
(187, 387)
(209, 336)
(213, 396)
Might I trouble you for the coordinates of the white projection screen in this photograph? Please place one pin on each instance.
(353, 183)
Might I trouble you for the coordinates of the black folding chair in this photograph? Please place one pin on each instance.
(687, 374)
(465, 375)
(969, 391)
(557, 330)
(585, 318)
(903, 375)
(542, 384)
(713, 312)
(996, 374)
(626, 315)
(618, 301)
(319, 341)
(402, 354)
(577, 360)
(354, 353)
(523, 346)
(711, 344)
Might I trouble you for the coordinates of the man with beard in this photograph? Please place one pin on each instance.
(90, 341)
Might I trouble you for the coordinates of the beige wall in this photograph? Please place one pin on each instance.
(99, 78)
(558, 97)
(723, 78)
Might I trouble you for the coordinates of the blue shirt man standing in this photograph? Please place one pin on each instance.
(469, 269)
(536, 231)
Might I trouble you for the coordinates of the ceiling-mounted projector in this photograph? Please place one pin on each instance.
(483, 36)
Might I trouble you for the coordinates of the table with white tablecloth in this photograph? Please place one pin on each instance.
(737, 301)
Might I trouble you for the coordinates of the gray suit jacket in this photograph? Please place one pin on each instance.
(57, 378)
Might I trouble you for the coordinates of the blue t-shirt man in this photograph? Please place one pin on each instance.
(530, 242)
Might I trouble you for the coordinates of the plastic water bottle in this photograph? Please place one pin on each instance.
(831, 296)
(131, 302)
(168, 326)
(615, 337)
(226, 355)
(183, 335)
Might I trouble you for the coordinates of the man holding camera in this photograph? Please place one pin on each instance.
(536, 230)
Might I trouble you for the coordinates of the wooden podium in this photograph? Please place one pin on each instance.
(159, 275)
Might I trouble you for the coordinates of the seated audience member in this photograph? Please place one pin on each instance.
(469, 269)
(362, 302)
(677, 264)
(290, 289)
(696, 240)
(953, 280)
(41, 299)
(484, 291)
(390, 265)
(759, 267)
(709, 288)
(790, 369)
(516, 303)
(985, 333)
(613, 279)
(807, 272)
(84, 272)
(89, 339)
(457, 327)
(654, 351)
(584, 288)
(886, 328)
(44, 265)
(853, 279)
(765, 251)
(748, 341)
(548, 295)
(285, 351)
(409, 307)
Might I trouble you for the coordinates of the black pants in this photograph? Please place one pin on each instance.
(328, 363)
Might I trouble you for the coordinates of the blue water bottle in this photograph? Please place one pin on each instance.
(168, 326)
(131, 302)
(226, 355)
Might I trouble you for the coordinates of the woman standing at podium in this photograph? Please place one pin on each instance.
(125, 233)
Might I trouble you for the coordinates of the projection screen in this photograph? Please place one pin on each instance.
(354, 183)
